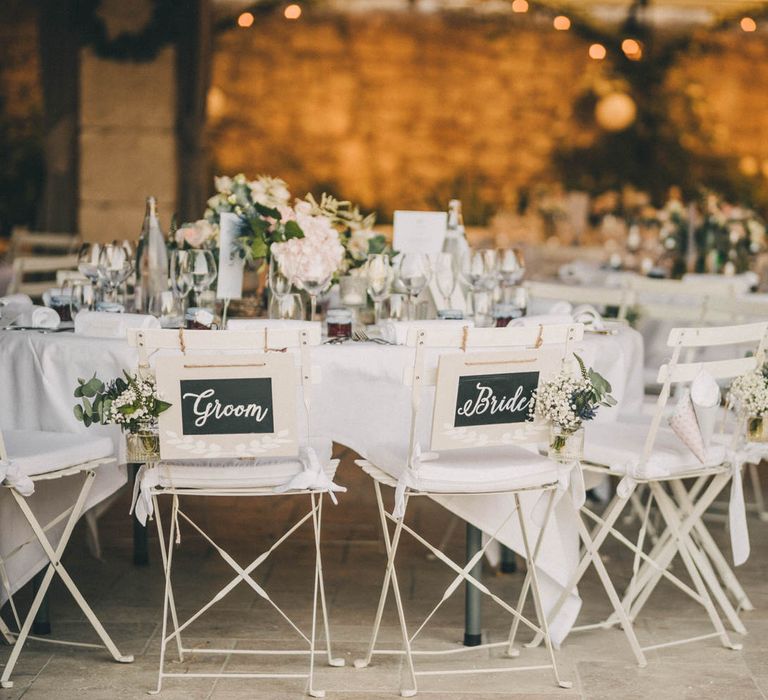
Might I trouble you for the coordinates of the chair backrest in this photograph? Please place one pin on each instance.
(497, 367)
(688, 340)
(33, 275)
(597, 296)
(741, 308)
(233, 393)
(26, 242)
(674, 300)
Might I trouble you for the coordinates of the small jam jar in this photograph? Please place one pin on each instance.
(61, 304)
(198, 319)
(504, 314)
(339, 322)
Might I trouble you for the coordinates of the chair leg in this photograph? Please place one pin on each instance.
(316, 522)
(536, 590)
(332, 661)
(166, 594)
(164, 559)
(55, 566)
(687, 554)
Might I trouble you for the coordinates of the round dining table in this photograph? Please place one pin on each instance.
(361, 402)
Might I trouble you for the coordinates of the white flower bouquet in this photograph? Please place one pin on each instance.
(567, 400)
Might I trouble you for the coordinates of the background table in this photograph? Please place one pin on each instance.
(361, 403)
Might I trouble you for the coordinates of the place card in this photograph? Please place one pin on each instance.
(419, 231)
(229, 284)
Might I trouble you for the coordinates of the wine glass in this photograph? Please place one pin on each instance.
(79, 295)
(287, 306)
(115, 266)
(473, 269)
(181, 272)
(415, 271)
(445, 276)
(314, 277)
(203, 270)
(279, 280)
(88, 261)
(491, 265)
(511, 266)
(379, 274)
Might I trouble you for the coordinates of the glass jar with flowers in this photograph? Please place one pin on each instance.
(748, 395)
(566, 401)
(132, 403)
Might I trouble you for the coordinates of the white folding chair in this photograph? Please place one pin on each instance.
(26, 267)
(493, 460)
(249, 465)
(683, 489)
(26, 242)
(598, 296)
(30, 456)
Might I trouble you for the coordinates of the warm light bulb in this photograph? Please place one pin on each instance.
(748, 24)
(597, 51)
(292, 11)
(562, 23)
(520, 6)
(245, 20)
(630, 46)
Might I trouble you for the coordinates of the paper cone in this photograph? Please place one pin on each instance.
(705, 396)
(683, 422)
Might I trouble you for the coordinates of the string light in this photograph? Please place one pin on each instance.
(632, 49)
(562, 23)
(293, 11)
(748, 24)
(520, 6)
(245, 20)
(597, 51)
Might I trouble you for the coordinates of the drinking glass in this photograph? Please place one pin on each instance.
(181, 272)
(511, 266)
(287, 306)
(115, 266)
(379, 274)
(202, 269)
(168, 307)
(279, 280)
(415, 271)
(445, 276)
(88, 261)
(80, 294)
(314, 277)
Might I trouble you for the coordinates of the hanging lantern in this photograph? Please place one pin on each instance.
(616, 111)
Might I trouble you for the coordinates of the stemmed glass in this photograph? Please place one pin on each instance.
(379, 273)
(202, 269)
(279, 280)
(314, 277)
(445, 276)
(181, 272)
(88, 263)
(415, 271)
(511, 266)
(115, 266)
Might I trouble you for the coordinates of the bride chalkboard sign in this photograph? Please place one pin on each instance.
(484, 399)
(228, 406)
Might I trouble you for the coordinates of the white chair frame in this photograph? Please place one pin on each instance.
(682, 510)
(23, 265)
(417, 377)
(620, 297)
(55, 566)
(260, 341)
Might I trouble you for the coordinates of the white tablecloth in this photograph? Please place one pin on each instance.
(361, 403)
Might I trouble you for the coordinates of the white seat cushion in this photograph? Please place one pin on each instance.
(474, 470)
(240, 473)
(35, 452)
(619, 446)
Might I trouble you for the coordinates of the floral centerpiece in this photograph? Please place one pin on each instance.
(566, 401)
(196, 235)
(729, 237)
(132, 402)
(748, 395)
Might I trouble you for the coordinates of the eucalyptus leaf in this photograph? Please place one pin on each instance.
(293, 230)
(79, 414)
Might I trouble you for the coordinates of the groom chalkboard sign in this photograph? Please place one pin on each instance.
(484, 399)
(228, 406)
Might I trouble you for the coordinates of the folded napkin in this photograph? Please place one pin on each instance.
(589, 316)
(38, 317)
(100, 324)
(686, 427)
(11, 306)
(542, 320)
(705, 397)
(397, 331)
(16, 300)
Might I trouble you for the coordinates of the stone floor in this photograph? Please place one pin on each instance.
(128, 600)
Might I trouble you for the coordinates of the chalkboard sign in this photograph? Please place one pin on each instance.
(484, 398)
(494, 399)
(229, 406)
(226, 406)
